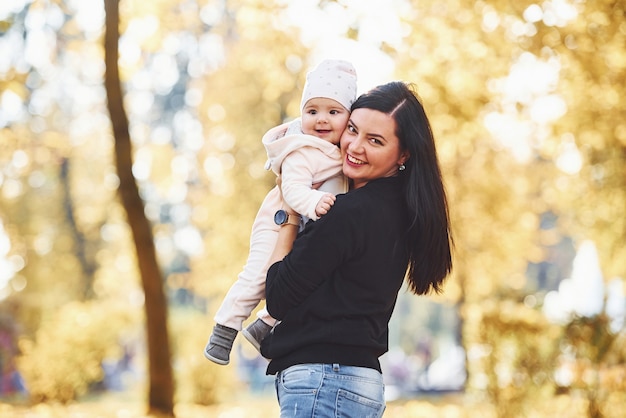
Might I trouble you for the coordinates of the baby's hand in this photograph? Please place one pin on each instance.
(325, 203)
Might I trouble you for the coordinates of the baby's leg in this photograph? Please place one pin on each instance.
(264, 316)
(249, 289)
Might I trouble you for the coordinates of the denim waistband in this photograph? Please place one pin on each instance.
(336, 368)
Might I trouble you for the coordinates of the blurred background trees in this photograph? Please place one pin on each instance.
(160, 378)
(526, 102)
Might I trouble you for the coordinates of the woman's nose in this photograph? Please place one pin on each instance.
(355, 145)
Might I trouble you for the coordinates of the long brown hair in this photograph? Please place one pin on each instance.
(429, 238)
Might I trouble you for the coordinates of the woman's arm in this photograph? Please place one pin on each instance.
(299, 267)
(286, 236)
(288, 232)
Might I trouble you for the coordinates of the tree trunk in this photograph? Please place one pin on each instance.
(85, 257)
(161, 385)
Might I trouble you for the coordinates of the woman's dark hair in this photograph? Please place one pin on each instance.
(429, 238)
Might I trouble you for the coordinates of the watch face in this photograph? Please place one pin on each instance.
(280, 217)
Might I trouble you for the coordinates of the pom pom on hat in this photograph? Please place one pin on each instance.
(331, 79)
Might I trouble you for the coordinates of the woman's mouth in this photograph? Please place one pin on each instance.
(353, 160)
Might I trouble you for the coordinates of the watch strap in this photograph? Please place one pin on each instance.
(293, 220)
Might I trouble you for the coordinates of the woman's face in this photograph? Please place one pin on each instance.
(370, 147)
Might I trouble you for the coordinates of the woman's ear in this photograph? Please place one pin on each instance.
(404, 157)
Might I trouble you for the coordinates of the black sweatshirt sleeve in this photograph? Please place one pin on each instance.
(317, 253)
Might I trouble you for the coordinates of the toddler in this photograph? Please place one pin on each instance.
(303, 152)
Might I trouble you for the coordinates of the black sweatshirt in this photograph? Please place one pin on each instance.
(335, 291)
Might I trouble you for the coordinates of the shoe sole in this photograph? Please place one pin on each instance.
(215, 359)
(252, 340)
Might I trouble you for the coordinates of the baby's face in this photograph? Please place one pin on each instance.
(324, 118)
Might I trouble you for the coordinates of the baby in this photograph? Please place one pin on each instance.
(303, 153)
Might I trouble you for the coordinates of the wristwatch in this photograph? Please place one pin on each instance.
(281, 217)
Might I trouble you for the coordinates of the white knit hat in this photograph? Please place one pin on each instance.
(331, 79)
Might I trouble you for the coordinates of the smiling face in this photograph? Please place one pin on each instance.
(370, 147)
(324, 118)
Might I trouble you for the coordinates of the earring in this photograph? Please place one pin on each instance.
(402, 167)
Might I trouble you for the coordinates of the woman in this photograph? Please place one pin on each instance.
(335, 287)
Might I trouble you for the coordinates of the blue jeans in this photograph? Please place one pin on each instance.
(330, 391)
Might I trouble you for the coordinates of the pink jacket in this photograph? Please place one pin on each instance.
(301, 161)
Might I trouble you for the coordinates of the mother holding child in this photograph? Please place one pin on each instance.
(333, 286)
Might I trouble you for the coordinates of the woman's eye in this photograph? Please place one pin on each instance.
(375, 141)
(351, 129)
